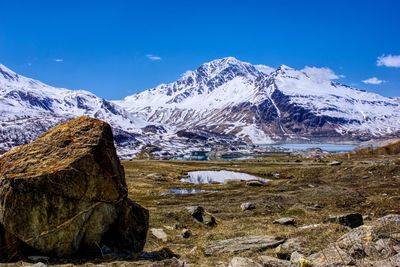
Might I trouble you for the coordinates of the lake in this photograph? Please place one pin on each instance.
(208, 177)
(325, 147)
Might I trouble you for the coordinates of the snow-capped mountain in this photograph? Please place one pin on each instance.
(261, 104)
(222, 105)
(29, 107)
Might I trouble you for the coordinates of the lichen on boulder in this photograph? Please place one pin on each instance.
(65, 193)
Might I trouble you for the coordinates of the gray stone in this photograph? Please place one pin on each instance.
(268, 261)
(331, 256)
(159, 233)
(244, 243)
(335, 163)
(283, 251)
(200, 215)
(298, 259)
(351, 220)
(248, 206)
(243, 262)
(285, 221)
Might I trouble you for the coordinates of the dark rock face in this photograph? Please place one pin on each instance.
(65, 194)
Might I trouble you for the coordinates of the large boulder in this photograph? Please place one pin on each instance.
(65, 194)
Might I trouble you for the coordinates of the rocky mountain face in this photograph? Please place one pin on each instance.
(225, 102)
(260, 104)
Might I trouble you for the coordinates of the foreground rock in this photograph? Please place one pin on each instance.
(65, 194)
(245, 243)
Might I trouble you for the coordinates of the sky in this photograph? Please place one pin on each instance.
(117, 48)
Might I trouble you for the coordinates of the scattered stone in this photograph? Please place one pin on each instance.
(243, 262)
(159, 233)
(248, 206)
(186, 233)
(268, 261)
(331, 256)
(255, 183)
(335, 163)
(285, 221)
(200, 215)
(285, 250)
(65, 194)
(299, 260)
(245, 243)
(310, 226)
(351, 220)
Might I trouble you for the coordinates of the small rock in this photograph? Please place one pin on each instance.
(269, 261)
(243, 262)
(159, 233)
(248, 206)
(335, 163)
(285, 221)
(255, 183)
(186, 233)
(310, 226)
(285, 250)
(244, 243)
(351, 220)
(200, 215)
(297, 259)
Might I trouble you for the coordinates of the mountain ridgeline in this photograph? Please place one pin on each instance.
(225, 102)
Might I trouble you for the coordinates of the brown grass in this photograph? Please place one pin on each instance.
(308, 190)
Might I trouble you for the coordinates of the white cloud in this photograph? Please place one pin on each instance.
(389, 61)
(321, 74)
(153, 57)
(58, 60)
(373, 80)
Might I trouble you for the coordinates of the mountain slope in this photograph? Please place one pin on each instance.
(29, 107)
(262, 105)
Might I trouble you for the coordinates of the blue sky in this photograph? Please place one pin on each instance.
(116, 48)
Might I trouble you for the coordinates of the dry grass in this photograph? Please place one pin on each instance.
(308, 190)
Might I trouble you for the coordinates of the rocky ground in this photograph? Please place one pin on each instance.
(317, 211)
(310, 191)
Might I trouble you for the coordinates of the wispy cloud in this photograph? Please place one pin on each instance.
(153, 57)
(373, 80)
(58, 60)
(321, 74)
(389, 61)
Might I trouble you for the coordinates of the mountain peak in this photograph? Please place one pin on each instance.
(8, 74)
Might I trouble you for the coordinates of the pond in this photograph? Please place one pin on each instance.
(189, 191)
(325, 147)
(209, 177)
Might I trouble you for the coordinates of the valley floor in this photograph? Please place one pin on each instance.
(308, 190)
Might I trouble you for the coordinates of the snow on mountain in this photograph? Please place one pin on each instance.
(223, 104)
(29, 107)
(261, 104)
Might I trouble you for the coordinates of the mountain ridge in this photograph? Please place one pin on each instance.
(223, 101)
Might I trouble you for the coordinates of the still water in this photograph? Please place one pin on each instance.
(325, 147)
(208, 177)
